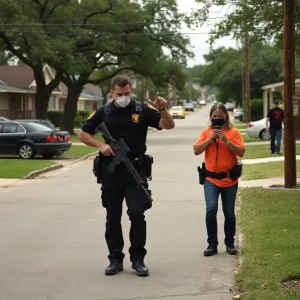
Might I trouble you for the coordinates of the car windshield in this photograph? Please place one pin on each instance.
(176, 108)
(39, 127)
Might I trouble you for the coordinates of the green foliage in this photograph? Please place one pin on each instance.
(225, 71)
(109, 36)
(56, 116)
(256, 109)
(189, 92)
(262, 19)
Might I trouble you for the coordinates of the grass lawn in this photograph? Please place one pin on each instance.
(262, 151)
(248, 139)
(18, 168)
(78, 151)
(269, 222)
(240, 125)
(266, 170)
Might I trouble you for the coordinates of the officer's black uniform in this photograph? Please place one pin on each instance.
(131, 124)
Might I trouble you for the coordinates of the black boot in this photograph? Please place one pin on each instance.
(114, 268)
(211, 250)
(140, 268)
(231, 250)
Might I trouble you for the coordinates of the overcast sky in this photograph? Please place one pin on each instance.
(199, 41)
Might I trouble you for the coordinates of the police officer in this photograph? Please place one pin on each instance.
(127, 119)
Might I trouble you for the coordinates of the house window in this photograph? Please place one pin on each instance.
(52, 103)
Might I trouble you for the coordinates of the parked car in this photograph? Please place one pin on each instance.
(230, 106)
(3, 119)
(177, 112)
(202, 102)
(44, 122)
(189, 107)
(238, 114)
(258, 129)
(26, 139)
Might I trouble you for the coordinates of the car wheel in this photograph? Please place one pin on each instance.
(26, 151)
(265, 135)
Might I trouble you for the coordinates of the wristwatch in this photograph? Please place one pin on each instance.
(227, 142)
(162, 109)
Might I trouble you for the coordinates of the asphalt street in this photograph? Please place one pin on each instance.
(52, 242)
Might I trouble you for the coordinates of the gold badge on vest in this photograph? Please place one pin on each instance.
(135, 118)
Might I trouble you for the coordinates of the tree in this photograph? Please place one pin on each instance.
(224, 70)
(131, 46)
(25, 38)
(262, 19)
(77, 38)
(4, 56)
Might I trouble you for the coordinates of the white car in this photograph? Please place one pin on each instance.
(238, 113)
(202, 102)
(257, 129)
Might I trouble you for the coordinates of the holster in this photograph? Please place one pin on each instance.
(237, 171)
(147, 163)
(202, 173)
(97, 169)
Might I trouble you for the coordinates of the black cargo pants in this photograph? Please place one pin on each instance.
(115, 187)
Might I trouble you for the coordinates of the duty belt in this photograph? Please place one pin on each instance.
(217, 175)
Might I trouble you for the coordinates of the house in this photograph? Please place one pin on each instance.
(270, 89)
(18, 90)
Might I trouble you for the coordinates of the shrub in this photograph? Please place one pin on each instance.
(56, 116)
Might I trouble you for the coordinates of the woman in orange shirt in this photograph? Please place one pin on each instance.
(222, 143)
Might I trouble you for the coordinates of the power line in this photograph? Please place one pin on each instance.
(103, 24)
(106, 33)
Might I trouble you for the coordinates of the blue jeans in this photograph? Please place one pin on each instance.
(228, 195)
(275, 133)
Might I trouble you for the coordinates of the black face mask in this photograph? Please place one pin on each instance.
(218, 122)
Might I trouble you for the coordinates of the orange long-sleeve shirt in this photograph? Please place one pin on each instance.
(218, 157)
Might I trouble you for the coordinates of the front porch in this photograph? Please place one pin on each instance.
(278, 87)
(17, 105)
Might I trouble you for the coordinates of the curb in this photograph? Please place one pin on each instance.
(37, 173)
(80, 159)
(34, 174)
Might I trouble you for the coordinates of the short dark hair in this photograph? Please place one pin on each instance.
(120, 80)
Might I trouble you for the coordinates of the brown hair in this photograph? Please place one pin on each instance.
(120, 80)
(223, 108)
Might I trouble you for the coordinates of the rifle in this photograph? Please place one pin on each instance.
(121, 150)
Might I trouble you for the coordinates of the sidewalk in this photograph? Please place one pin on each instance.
(265, 160)
(261, 182)
(262, 143)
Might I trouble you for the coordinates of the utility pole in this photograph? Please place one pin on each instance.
(243, 85)
(247, 78)
(290, 174)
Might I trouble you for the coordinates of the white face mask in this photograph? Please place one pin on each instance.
(123, 101)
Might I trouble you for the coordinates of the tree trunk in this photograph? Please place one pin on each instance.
(70, 109)
(105, 93)
(42, 98)
(43, 92)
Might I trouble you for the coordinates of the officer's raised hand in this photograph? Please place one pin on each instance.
(106, 150)
(160, 103)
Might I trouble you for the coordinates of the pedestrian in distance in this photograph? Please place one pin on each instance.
(129, 120)
(220, 172)
(274, 122)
